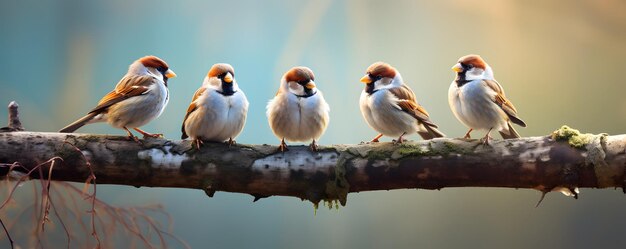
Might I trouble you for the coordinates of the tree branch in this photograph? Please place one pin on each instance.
(564, 160)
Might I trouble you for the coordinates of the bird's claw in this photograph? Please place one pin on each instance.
(399, 140)
(375, 140)
(198, 142)
(313, 146)
(467, 135)
(283, 146)
(231, 142)
(485, 140)
(134, 138)
(147, 135)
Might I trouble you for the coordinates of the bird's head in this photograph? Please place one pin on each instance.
(221, 76)
(472, 67)
(300, 81)
(380, 75)
(156, 66)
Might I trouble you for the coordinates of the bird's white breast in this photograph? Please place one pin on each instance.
(472, 104)
(139, 110)
(296, 118)
(381, 112)
(217, 117)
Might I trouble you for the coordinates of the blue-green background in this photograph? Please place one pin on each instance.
(561, 62)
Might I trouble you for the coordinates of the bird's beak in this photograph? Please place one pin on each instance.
(228, 78)
(170, 74)
(457, 68)
(310, 85)
(366, 79)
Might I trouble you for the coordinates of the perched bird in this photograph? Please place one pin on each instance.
(389, 106)
(298, 112)
(138, 98)
(478, 100)
(218, 109)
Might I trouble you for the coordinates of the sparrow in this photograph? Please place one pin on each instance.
(218, 109)
(298, 112)
(389, 106)
(478, 100)
(138, 98)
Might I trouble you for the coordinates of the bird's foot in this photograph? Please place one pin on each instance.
(467, 135)
(146, 134)
(231, 142)
(375, 140)
(198, 142)
(313, 146)
(283, 146)
(134, 138)
(486, 138)
(400, 139)
(130, 136)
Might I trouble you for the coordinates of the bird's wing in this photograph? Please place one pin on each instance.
(501, 100)
(406, 102)
(192, 107)
(129, 86)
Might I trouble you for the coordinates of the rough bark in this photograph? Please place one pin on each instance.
(542, 163)
(563, 161)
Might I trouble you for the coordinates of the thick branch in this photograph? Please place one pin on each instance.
(543, 163)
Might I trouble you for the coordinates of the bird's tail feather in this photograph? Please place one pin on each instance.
(78, 123)
(430, 133)
(512, 133)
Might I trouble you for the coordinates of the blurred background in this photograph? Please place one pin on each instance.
(560, 63)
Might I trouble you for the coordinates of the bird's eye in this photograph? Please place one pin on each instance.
(470, 66)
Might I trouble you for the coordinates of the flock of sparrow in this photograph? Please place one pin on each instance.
(299, 112)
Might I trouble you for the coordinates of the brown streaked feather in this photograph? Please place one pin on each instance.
(506, 105)
(128, 87)
(298, 74)
(474, 60)
(153, 61)
(408, 104)
(192, 107)
(381, 69)
(219, 69)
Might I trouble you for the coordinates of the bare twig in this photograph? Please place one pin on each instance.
(7, 233)
(92, 196)
(65, 228)
(14, 119)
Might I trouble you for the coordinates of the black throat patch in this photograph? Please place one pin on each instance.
(306, 94)
(369, 88)
(460, 79)
(227, 89)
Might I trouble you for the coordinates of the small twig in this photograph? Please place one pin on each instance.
(91, 178)
(24, 178)
(7, 233)
(45, 195)
(14, 119)
(54, 209)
